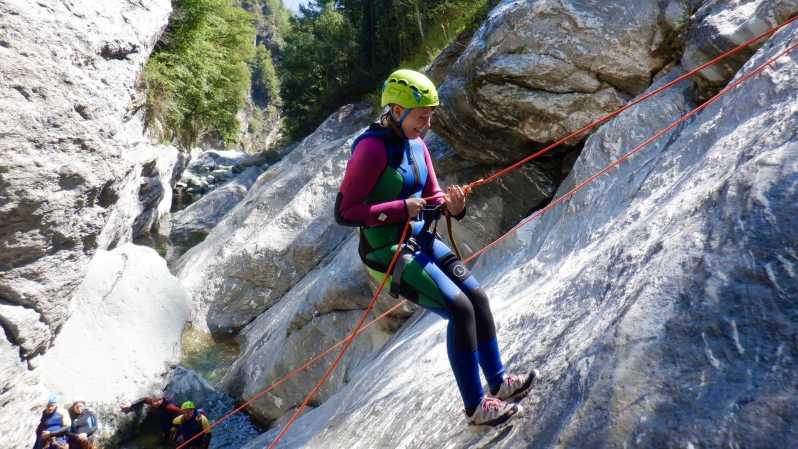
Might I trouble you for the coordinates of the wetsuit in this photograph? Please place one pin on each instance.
(163, 413)
(56, 424)
(86, 423)
(383, 171)
(187, 428)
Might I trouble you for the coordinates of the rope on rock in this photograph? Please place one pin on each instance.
(558, 200)
(361, 327)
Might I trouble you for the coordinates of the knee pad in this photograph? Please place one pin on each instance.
(455, 268)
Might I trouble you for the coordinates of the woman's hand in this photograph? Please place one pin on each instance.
(455, 199)
(414, 206)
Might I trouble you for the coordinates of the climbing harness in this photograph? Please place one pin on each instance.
(361, 327)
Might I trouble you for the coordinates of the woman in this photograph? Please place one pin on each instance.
(387, 178)
(84, 425)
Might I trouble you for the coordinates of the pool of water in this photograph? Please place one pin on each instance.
(210, 359)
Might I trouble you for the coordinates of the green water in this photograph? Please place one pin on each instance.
(208, 357)
(211, 359)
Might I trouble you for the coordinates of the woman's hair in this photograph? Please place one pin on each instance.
(388, 121)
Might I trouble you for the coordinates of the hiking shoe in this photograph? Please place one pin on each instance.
(492, 412)
(515, 385)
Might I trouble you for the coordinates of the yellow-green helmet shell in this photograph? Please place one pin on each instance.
(409, 89)
(188, 405)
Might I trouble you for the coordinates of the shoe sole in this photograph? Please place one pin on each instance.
(517, 411)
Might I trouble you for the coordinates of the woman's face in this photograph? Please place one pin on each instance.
(416, 121)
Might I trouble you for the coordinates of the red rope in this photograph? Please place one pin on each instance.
(360, 328)
(567, 195)
(349, 339)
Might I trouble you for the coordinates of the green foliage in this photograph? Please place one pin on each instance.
(197, 79)
(339, 51)
(316, 67)
(265, 84)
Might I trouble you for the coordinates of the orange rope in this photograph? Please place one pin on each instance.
(349, 339)
(360, 328)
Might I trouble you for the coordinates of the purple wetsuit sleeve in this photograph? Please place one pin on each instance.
(362, 173)
(431, 187)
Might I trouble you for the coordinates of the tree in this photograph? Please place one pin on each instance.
(197, 79)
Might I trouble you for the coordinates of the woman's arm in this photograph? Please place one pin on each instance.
(362, 173)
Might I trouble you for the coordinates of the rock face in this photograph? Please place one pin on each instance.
(277, 234)
(124, 332)
(658, 303)
(21, 398)
(315, 314)
(66, 85)
(494, 208)
(206, 171)
(76, 174)
(190, 225)
(144, 196)
(230, 434)
(537, 70)
(718, 26)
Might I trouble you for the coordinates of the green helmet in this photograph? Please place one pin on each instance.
(188, 405)
(409, 89)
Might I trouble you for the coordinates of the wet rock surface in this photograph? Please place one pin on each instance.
(314, 315)
(657, 303)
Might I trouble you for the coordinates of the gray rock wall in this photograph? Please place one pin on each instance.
(718, 26)
(76, 176)
(66, 86)
(658, 303)
(277, 234)
(538, 70)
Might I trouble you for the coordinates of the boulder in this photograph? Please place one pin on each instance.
(538, 70)
(123, 335)
(719, 26)
(277, 234)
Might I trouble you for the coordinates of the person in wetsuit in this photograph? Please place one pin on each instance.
(81, 433)
(190, 423)
(53, 425)
(164, 409)
(387, 177)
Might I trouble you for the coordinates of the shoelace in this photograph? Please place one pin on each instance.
(490, 403)
(513, 380)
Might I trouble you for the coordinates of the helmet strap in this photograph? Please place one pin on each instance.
(401, 120)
